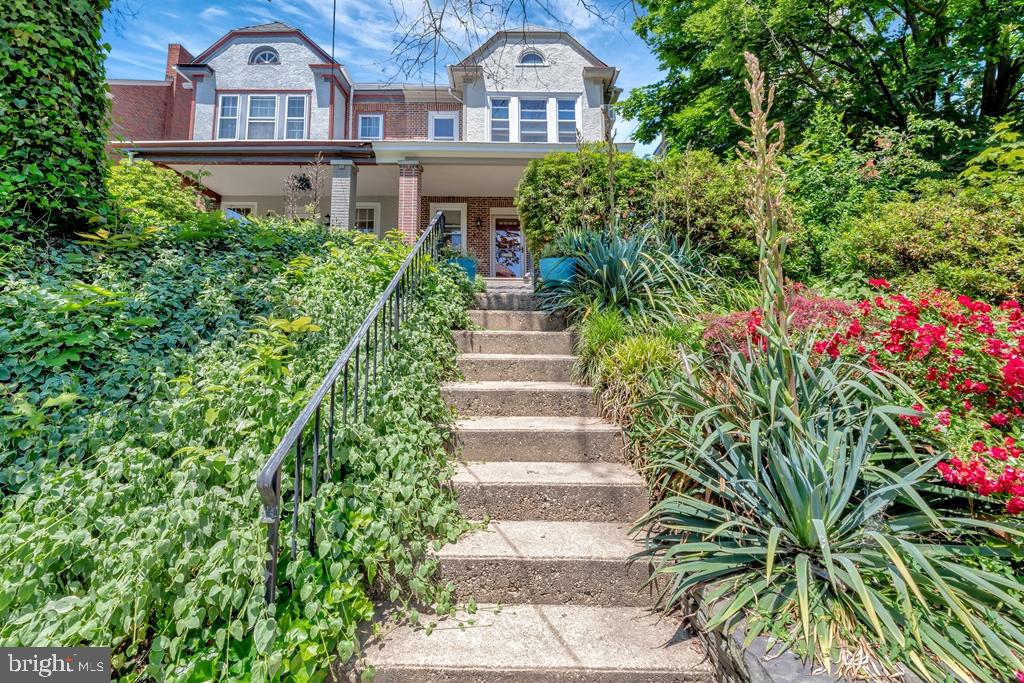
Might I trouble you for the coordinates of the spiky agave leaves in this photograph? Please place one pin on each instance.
(639, 275)
(804, 521)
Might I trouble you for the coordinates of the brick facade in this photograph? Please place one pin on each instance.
(478, 240)
(403, 120)
(156, 110)
(410, 183)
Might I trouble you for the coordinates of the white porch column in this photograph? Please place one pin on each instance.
(343, 193)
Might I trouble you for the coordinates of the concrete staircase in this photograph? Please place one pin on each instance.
(557, 601)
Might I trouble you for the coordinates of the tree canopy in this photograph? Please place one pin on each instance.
(883, 62)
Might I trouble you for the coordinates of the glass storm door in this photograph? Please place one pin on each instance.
(508, 248)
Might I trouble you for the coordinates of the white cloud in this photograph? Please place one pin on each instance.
(213, 13)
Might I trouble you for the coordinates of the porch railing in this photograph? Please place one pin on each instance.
(341, 398)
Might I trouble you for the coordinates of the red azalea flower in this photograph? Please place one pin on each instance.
(879, 282)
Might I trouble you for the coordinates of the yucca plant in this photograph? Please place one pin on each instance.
(813, 523)
(638, 275)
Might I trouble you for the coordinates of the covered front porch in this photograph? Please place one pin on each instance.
(393, 186)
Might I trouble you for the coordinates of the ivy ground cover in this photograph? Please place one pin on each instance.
(144, 385)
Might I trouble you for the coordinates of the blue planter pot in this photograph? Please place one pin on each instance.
(558, 269)
(468, 266)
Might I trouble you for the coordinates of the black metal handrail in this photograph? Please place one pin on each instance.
(354, 371)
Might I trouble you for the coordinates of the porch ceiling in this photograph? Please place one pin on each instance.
(244, 180)
(439, 180)
(465, 180)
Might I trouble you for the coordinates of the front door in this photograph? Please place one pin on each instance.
(508, 247)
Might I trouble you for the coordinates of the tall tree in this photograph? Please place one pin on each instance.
(882, 61)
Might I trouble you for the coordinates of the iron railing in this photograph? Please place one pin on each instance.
(345, 391)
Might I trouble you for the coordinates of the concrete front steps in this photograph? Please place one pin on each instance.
(558, 600)
(539, 642)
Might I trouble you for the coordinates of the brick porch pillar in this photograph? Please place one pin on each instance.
(410, 186)
(343, 193)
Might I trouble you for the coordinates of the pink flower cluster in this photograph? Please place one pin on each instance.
(809, 312)
(965, 357)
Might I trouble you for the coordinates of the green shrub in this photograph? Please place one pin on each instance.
(151, 195)
(832, 181)
(152, 544)
(701, 198)
(629, 369)
(822, 536)
(598, 332)
(106, 326)
(569, 190)
(966, 240)
(53, 115)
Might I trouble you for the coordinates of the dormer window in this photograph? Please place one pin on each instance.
(264, 55)
(531, 58)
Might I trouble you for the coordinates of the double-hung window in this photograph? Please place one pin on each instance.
(443, 125)
(499, 119)
(367, 217)
(295, 117)
(262, 123)
(533, 120)
(371, 126)
(566, 120)
(227, 117)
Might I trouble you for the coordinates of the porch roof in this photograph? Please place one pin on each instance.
(246, 151)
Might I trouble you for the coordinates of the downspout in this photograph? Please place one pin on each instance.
(462, 115)
(351, 110)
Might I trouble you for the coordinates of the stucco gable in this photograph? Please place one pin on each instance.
(266, 32)
(523, 36)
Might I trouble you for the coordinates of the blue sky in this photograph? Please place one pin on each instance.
(366, 33)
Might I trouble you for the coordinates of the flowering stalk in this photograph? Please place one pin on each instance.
(765, 188)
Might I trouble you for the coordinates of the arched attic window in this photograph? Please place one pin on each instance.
(264, 55)
(531, 58)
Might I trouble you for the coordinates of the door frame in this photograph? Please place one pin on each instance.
(504, 212)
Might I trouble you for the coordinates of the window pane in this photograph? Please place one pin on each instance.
(369, 127)
(365, 219)
(261, 130)
(499, 131)
(262, 107)
(533, 109)
(444, 128)
(228, 128)
(229, 106)
(295, 130)
(567, 131)
(296, 107)
(531, 59)
(453, 228)
(566, 110)
(499, 108)
(533, 124)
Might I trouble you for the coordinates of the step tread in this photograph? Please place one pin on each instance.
(527, 385)
(544, 638)
(548, 473)
(516, 333)
(517, 356)
(534, 423)
(541, 540)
